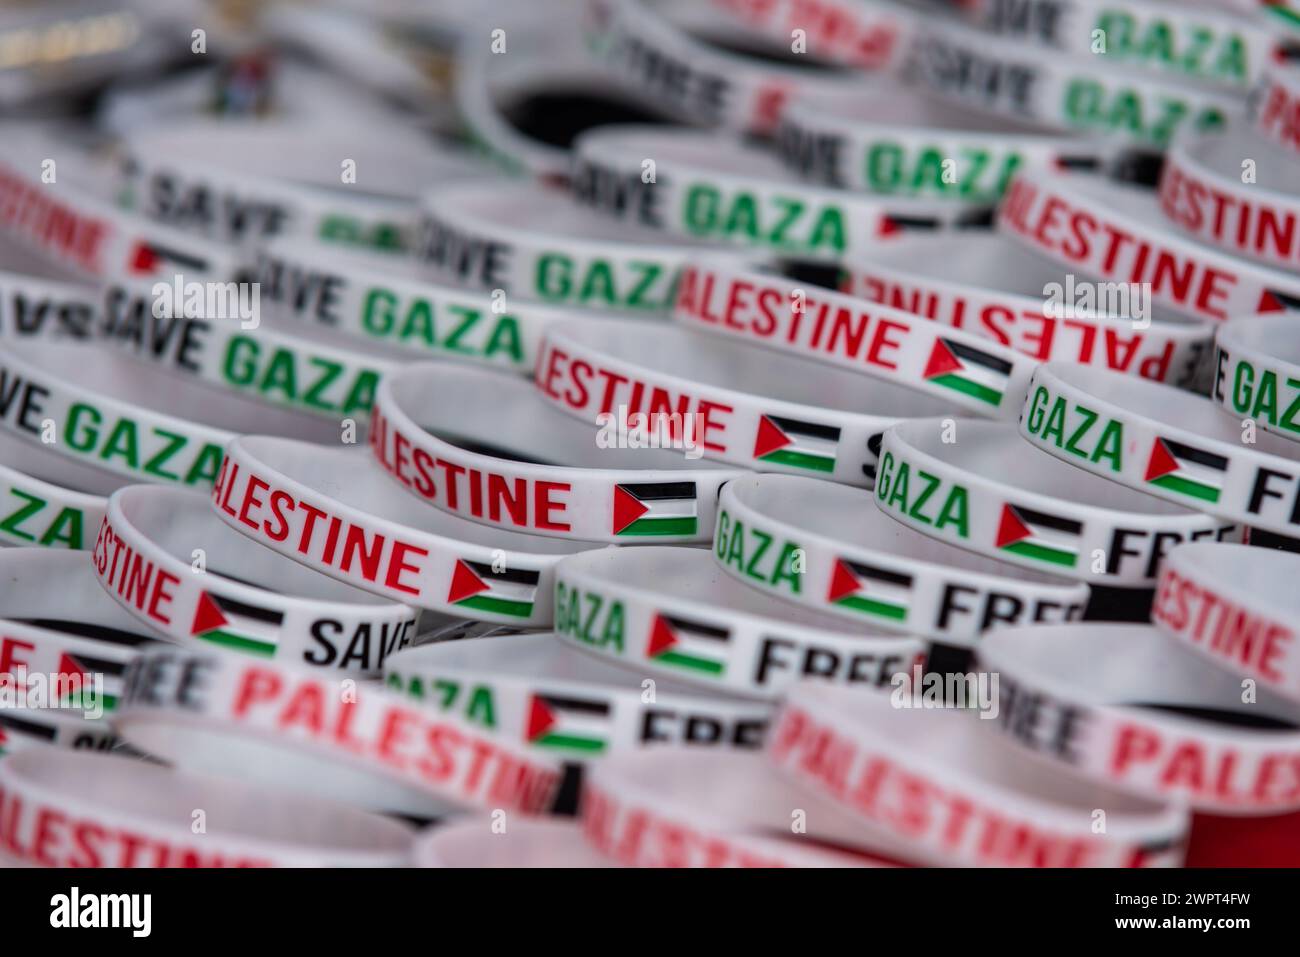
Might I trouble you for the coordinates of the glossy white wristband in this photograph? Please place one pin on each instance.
(1257, 372)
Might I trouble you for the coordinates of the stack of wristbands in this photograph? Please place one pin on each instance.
(651, 433)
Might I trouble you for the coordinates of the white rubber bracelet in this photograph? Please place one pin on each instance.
(808, 419)
(1006, 79)
(866, 34)
(512, 460)
(1204, 192)
(1130, 706)
(707, 187)
(670, 611)
(23, 729)
(369, 299)
(1185, 40)
(711, 86)
(1164, 442)
(960, 369)
(530, 843)
(1257, 363)
(62, 630)
(528, 243)
(677, 808)
(990, 287)
(302, 368)
(167, 560)
(899, 142)
(855, 561)
(541, 692)
(242, 183)
(1275, 106)
(99, 408)
(144, 816)
(46, 499)
(954, 794)
(90, 237)
(49, 309)
(1116, 232)
(301, 729)
(991, 493)
(1236, 604)
(334, 511)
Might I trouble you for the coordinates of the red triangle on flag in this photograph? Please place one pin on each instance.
(770, 438)
(1162, 461)
(540, 718)
(843, 582)
(888, 226)
(1011, 528)
(465, 583)
(627, 508)
(941, 361)
(69, 667)
(207, 616)
(1269, 302)
(143, 259)
(661, 637)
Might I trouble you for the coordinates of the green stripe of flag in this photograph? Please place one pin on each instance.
(662, 526)
(572, 742)
(228, 639)
(1185, 486)
(869, 607)
(690, 661)
(1043, 553)
(800, 460)
(499, 606)
(975, 390)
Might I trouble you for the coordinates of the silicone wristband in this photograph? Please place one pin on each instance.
(898, 142)
(513, 453)
(57, 623)
(670, 611)
(711, 188)
(676, 808)
(144, 816)
(1185, 41)
(164, 557)
(24, 729)
(865, 34)
(334, 511)
(1135, 708)
(538, 691)
(964, 370)
(1203, 194)
(530, 843)
(1275, 106)
(991, 493)
(860, 564)
(808, 419)
(990, 287)
(955, 794)
(89, 237)
(101, 407)
(44, 499)
(1116, 232)
(297, 368)
(49, 309)
(1237, 605)
(536, 245)
(243, 183)
(373, 302)
(1003, 78)
(1257, 365)
(298, 728)
(710, 86)
(1167, 443)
